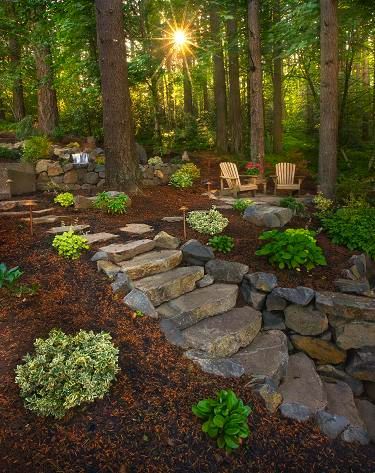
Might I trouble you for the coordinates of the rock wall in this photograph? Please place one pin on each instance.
(91, 177)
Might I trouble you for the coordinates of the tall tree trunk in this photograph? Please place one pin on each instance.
(188, 89)
(366, 95)
(220, 92)
(206, 100)
(235, 117)
(256, 85)
(48, 115)
(121, 159)
(328, 97)
(277, 78)
(19, 111)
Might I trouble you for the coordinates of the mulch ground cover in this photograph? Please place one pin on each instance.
(145, 423)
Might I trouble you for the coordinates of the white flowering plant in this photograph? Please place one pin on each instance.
(208, 222)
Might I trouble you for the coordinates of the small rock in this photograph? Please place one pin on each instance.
(262, 281)
(327, 336)
(42, 165)
(226, 271)
(108, 268)
(355, 335)
(225, 367)
(362, 364)
(266, 389)
(305, 320)
(172, 333)
(318, 349)
(165, 241)
(137, 300)
(370, 390)
(122, 284)
(253, 297)
(328, 372)
(54, 169)
(99, 255)
(300, 295)
(355, 435)
(172, 219)
(367, 412)
(330, 424)
(194, 253)
(268, 216)
(273, 320)
(352, 287)
(359, 266)
(82, 202)
(338, 306)
(67, 228)
(274, 302)
(207, 280)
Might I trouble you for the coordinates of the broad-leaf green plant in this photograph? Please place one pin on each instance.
(70, 245)
(242, 204)
(9, 277)
(222, 243)
(293, 204)
(112, 204)
(65, 199)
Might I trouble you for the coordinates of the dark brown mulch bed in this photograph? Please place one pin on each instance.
(145, 423)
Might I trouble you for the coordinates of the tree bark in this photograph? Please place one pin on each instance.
(48, 114)
(19, 110)
(220, 93)
(188, 89)
(277, 78)
(328, 131)
(235, 117)
(121, 159)
(256, 85)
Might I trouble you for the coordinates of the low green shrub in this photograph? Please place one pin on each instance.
(222, 243)
(353, 187)
(323, 205)
(69, 245)
(181, 180)
(9, 277)
(192, 170)
(352, 227)
(65, 199)
(112, 204)
(292, 249)
(9, 154)
(35, 148)
(208, 222)
(176, 160)
(155, 161)
(25, 128)
(242, 204)
(66, 371)
(225, 419)
(293, 204)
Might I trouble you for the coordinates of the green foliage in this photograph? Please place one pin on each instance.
(155, 161)
(181, 180)
(208, 222)
(35, 148)
(69, 245)
(352, 227)
(222, 243)
(25, 128)
(176, 160)
(323, 205)
(293, 204)
(225, 419)
(242, 204)
(112, 204)
(65, 199)
(66, 371)
(9, 154)
(353, 187)
(292, 249)
(192, 170)
(9, 277)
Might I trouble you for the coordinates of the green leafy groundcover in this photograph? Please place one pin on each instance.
(66, 371)
(225, 419)
(352, 227)
(293, 248)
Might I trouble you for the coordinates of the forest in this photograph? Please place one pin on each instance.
(256, 80)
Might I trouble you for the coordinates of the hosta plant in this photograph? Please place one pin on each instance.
(222, 243)
(67, 370)
(292, 249)
(242, 204)
(69, 245)
(225, 419)
(155, 161)
(65, 199)
(208, 222)
(9, 277)
(112, 204)
(293, 204)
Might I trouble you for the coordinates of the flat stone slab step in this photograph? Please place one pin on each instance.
(151, 263)
(48, 219)
(67, 228)
(99, 237)
(189, 309)
(171, 284)
(224, 334)
(137, 228)
(25, 213)
(13, 204)
(173, 219)
(118, 252)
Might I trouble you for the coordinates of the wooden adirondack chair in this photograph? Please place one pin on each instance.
(285, 178)
(230, 176)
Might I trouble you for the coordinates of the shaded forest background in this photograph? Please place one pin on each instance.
(199, 97)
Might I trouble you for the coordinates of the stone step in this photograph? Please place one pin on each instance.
(93, 238)
(48, 219)
(137, 228)
(67, 228)
(189, 309)
(224, 334)
(25, 213)
(171, 284)
(118, 252)
(151, 263)
(13, 204)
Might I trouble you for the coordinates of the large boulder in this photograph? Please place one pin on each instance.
(262, 281)
(137, 300)
(330, 424)
(275, 302)
(253, 297)
(273, 320)
(226, 271)
(362, 364)
(355, 335)
(268, 216)
(71, 177)
(338, 306)
(302, 389)
(329, 373)
(366, 410)
(267, 355)
(42, 165)
(194, 253)
(305, 320)
(165, 241)
(54, 169)
(318, 349)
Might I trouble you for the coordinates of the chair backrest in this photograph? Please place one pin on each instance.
(229, 171)
(285, 173)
